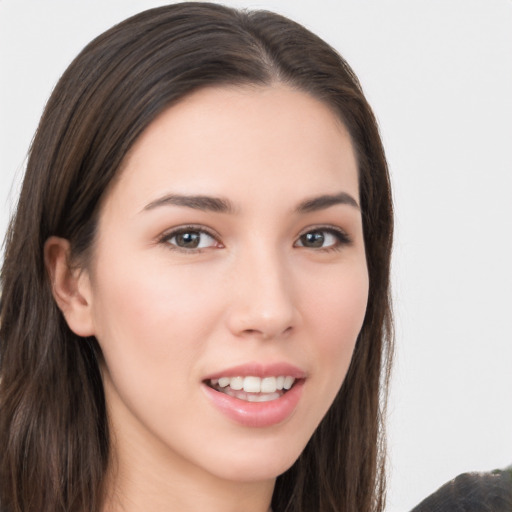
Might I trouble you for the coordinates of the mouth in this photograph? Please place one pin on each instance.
(252, 388)
(256, 395)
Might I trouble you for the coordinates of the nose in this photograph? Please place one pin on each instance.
(263, 298)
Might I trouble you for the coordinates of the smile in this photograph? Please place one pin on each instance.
(256, 395)
(253, 389)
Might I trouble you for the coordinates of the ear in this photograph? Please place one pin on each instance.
(71, 286)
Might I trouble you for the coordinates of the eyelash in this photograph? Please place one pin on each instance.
(342, 238)
(166, 237)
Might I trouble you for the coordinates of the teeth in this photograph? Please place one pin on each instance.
(288, 382)
(268, 385)
(251, 384)
(236, 383)
(223, 382)
(252, 397)
(263, 398)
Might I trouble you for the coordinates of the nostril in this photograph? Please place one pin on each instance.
(267, 335)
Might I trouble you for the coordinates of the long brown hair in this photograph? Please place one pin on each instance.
(53, 425)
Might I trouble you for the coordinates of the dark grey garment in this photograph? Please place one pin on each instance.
(472, 492)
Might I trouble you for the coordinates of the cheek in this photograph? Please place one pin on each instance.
(152, 327)
(149, 316)
(339, 304)
(337, 312)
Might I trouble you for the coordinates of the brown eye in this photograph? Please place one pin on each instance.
(323, 239)
(313, 239)
(190, 239)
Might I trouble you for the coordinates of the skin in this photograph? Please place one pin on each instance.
(166, 317)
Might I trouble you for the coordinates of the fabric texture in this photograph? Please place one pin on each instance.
(472, 492)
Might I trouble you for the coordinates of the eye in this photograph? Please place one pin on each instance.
(190, 239)
(323, 238)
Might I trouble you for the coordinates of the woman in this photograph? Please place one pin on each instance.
(195, 310)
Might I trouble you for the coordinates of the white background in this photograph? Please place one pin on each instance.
(439, 76)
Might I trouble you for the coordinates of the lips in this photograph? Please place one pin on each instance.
(256, 395)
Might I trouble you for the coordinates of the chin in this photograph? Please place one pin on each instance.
(258, 472)
(254, 462)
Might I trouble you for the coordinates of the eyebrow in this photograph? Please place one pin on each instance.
(326, 201)
(204, 203)
(220, 205)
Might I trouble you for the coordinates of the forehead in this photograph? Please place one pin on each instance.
(227, 139)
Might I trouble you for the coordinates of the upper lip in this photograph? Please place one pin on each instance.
(259, 370)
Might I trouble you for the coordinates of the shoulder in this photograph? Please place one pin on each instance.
(472, 492)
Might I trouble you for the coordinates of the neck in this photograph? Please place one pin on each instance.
(144, 476)
(155, 492)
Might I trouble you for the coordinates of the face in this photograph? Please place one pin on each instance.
(228, 281)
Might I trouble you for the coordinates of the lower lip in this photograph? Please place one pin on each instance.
(256, 414)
